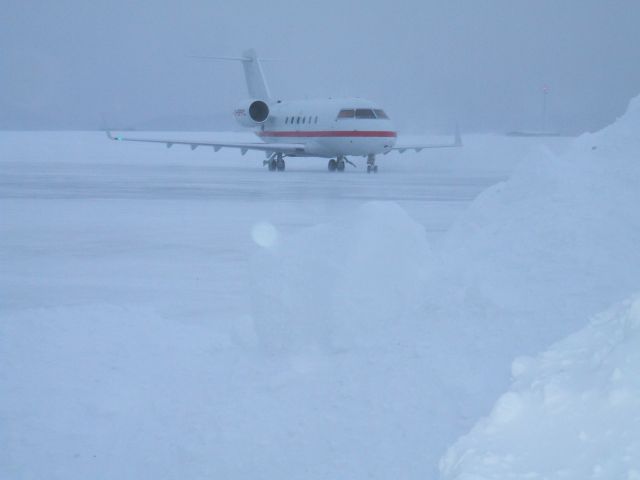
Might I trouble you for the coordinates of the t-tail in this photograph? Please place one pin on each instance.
(253, 74)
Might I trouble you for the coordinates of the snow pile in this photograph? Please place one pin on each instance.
(555, 227)
(558, 240)
(529, 261)
(334, 286)
(571, 413)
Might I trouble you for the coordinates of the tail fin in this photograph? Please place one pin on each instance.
(256, 84)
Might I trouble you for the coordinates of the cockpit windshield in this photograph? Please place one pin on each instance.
(365, 113)
(380, 113)
(347, 113)
(362, 113)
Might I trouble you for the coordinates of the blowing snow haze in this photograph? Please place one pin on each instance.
(190, 312)
(65, 64)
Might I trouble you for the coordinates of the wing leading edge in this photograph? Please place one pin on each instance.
(287, 148)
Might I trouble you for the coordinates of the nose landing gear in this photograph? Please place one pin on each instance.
(371, 164)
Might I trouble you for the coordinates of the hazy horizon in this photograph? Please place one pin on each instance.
(484, 64)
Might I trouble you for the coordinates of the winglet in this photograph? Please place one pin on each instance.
(104, 125)
(111, 137)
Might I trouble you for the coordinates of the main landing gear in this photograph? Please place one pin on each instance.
(338, 164)
(275, 162)
(371, 164)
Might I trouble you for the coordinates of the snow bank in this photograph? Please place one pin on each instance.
(562, 229)
(556, 241)
(531, 259)
(573, 412)
(355, 281)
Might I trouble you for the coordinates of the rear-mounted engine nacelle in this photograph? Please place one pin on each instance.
(252, 113)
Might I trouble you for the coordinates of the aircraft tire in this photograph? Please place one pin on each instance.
(332, 165)
(340, 166)
(280, 165)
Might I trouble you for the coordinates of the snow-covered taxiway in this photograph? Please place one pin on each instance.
(88, 220)
(175, 314)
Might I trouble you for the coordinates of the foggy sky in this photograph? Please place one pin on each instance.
(484, 63)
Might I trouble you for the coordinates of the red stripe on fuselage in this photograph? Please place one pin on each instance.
(329, 133)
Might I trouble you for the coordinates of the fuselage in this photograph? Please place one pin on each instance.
(330, 127)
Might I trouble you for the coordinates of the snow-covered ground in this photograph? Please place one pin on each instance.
(178, 314)
(572, 412)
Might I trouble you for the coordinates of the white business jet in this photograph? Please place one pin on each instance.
(334, 128)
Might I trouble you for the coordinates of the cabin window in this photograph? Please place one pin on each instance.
(380, 113)
(298, 120)
(286, 120)
(316, 119)
(365, 113)
(303, 119)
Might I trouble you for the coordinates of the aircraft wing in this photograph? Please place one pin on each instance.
(457, 142)
(287, 148)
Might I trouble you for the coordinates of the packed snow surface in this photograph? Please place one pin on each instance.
(167, 318)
